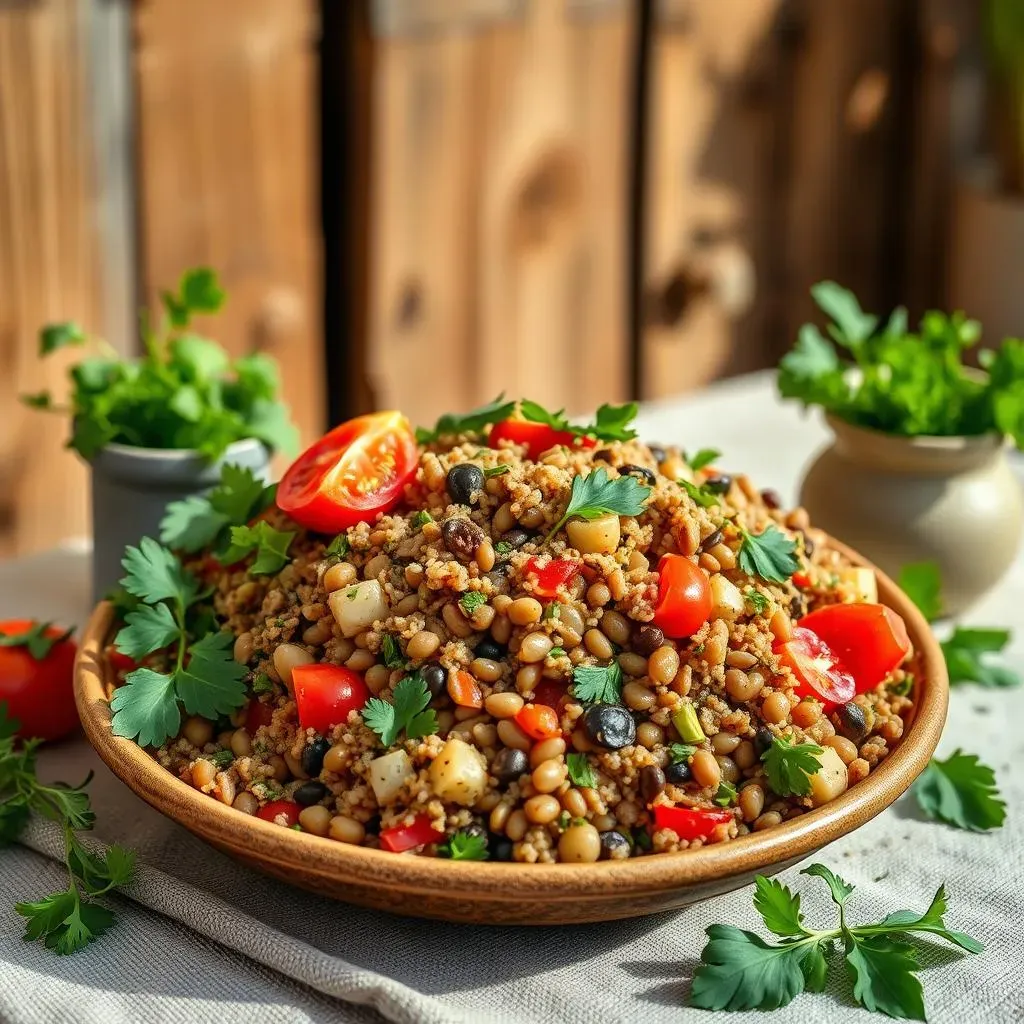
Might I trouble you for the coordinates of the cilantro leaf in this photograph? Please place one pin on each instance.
(681, 751)
(922, 583)
(883, 976)
(704, 457)
(198, 292)
(597, 495)
(932, 920)
(56, 336)
(191, 524)
(210, 683)
(852, 326)
(789, 768)
(154, 574)
(725, 795)
(769, 554)
(964, 652)
(148, 628)
(421, 518)
(464, 846)
(581, 772)
(271, 547)
(338, 547)
(840, 889)
(35, 639)
(392, 651)
(778, 907)
(471, 600)
(597, 684)
(239, 495)
(700, 494)
(145, 708)
(407, 711)
(960, 791)
(612, 422)
(473, 422)
(536, 413)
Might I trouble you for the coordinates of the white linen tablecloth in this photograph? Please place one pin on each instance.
(200, 938)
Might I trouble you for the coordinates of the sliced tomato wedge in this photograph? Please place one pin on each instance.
(352, 474)
(325, 694)
(690, 823)
(405, 837)
(816, 669)
(684, 597)
(538, 437)
(288, 809)
(870, 640)
(559, 572)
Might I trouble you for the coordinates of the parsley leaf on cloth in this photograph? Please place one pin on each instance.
(961, 791)
(474, 422)
(789, 768)
(464, 846)
(769, 554)
(581, 772)
(964, 652)
(596, 495)
(922, 583)
(407, 711)
(597, 684)
(741, 971)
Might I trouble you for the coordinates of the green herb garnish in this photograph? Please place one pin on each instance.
(726, 794)
(581, 772)
(789, 768)
(610, 424)
(474, 422)
(681, 752)
(339, 547)
(500, 470)
(407, 711)
(597, 684)
(961, 791)
(769, 554)
(262, 684)
(422, 518)
(471, 600)
(741, 971)
(965, 654)
(703, 458)
(35, 640)
(756, 600)
(271, 547)
(596, 495)
(556, 652)
(700, 494)
(922, 583)
(392, 651)
(464, 846)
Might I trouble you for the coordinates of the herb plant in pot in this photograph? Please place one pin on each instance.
(918, 468)
(158, 428)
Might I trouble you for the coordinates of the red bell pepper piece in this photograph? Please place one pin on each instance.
(405, 837)
(690, 823)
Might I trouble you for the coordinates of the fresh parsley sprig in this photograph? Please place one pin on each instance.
(202, 676)
(960, 791)
(408, 712)
(701, 494)
(610, 424)
(789, 768)
(597, 684)
(464, 846)
(271, 547)
(769, 554)
(581, 771)
(474, 422)
(597, 494)
(68, 920)
(965, 654)
(741, 971)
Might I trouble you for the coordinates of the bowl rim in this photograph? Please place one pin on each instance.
(761, 851)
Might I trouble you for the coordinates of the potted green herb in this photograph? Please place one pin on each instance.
(987, 216)
(158, 428)
(918, 468)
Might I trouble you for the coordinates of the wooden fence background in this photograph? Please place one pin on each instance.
(420, 203)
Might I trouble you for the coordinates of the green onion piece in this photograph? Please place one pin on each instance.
(685, 721)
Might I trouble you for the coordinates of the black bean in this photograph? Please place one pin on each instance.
(436, 678)
(641, 471)
(658, 451)
(711, 540)
(853, 721)
(516, 537)
(463, 481)
(763, 739)
(310, 793)
(614, 846)
(313, 756)
(771, 498)
(488, 648)
(609, 726)
(499, 847)
(647, 640)
(677, 773)
(462, 538)
(652, 782)
(509, 764)
(604, 455)
(718, 484)
(372, 826)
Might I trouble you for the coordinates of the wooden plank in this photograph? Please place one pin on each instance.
(498, 256)
(50, 255)
(228, 171)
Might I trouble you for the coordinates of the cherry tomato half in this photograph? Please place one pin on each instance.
(870, 640)
(816, 668)
(684, 597)
(559, 572)
(405, 837)
(38, 691)
(538, 721)
(690, 823)
(351, 474)
(538, 437)
(325, 694)
(287, 809)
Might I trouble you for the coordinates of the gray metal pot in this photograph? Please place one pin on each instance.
(131, 488)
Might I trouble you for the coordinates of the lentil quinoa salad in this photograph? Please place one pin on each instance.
(516, 639)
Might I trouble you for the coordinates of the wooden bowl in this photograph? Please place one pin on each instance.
(485, 893)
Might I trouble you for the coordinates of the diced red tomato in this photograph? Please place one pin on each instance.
(684, 597)
(464, 690)
(538, 437)
(38, 692)
(325, 694)
(350, 475)
(405, 837)
(559, 572)
(288, 809)
(550, 692)
(538, 721)
(690, 823)
(870, 640)
(801, 580)
(816, 669)
(258, 714)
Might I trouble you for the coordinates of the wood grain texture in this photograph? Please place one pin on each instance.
(535, 894)
(49, 265)
(497, 259)
(228, 173)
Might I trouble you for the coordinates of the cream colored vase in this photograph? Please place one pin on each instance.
(953, 500)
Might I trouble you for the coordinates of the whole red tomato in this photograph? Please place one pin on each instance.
(37, 663)
(684, 597)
